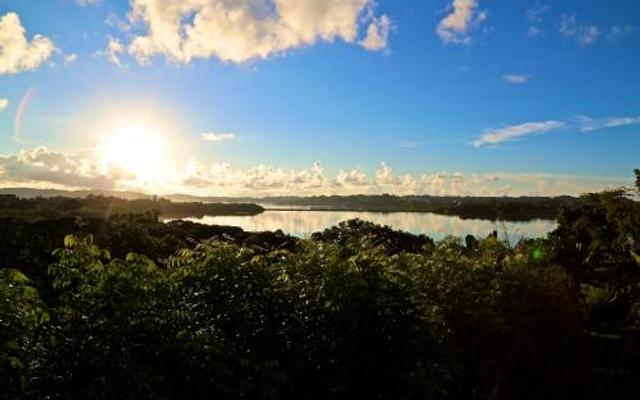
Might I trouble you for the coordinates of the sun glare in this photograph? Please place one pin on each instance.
(136, 149)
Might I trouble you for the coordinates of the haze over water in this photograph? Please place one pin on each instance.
(303, 223)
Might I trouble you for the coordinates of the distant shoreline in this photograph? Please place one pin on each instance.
(317, 209)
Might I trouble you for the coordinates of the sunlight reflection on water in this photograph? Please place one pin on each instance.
(303, 223)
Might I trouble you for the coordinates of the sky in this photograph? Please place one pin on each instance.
(307, 97)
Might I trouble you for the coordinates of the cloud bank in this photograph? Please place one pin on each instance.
(42, 168)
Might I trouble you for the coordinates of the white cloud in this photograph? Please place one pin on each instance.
(587, 124)
(112, 53)
(516, 79)
(17, 53)
(84, 3)
(464, 16)
(217, 137)
(583, 34)
(377, 34)
(493, 137)
(512, 132)
(4, 103)
(241, 31)
(70, 59)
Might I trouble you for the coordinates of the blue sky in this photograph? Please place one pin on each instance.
(323, 96)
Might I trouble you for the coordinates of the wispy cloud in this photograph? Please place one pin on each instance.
(512, 132)
(410, 144)
(112, 52)
(87, 2)
(516, 79)
(587, 124)
(456, 26)
(583, 34)
(535, 16)
(583, 123)
(217, 137)
(618, 32)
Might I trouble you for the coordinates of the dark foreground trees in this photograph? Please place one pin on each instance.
(324, 321)
(357, 311)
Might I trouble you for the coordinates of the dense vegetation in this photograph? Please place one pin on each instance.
(104, 207)
(132, 308)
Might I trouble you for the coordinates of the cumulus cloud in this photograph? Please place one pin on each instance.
(464, 16)
(4, 103)
(512, 132)
(240, 31)
(516, 79)
(351, 178)
(217, 137)
(583, 34)
(17, 53)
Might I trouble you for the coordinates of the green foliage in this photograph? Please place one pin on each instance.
(21, 314)
(326, 320)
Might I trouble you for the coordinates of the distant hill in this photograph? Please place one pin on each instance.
(29, 193)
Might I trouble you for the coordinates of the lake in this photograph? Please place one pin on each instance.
(303, 223)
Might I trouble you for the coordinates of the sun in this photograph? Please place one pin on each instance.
(137, 150)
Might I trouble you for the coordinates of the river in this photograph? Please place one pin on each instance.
(302, 223)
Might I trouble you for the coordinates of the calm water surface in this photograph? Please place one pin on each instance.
(302, 223)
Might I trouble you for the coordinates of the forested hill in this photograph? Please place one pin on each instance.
(91, 206)
(494, 208)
